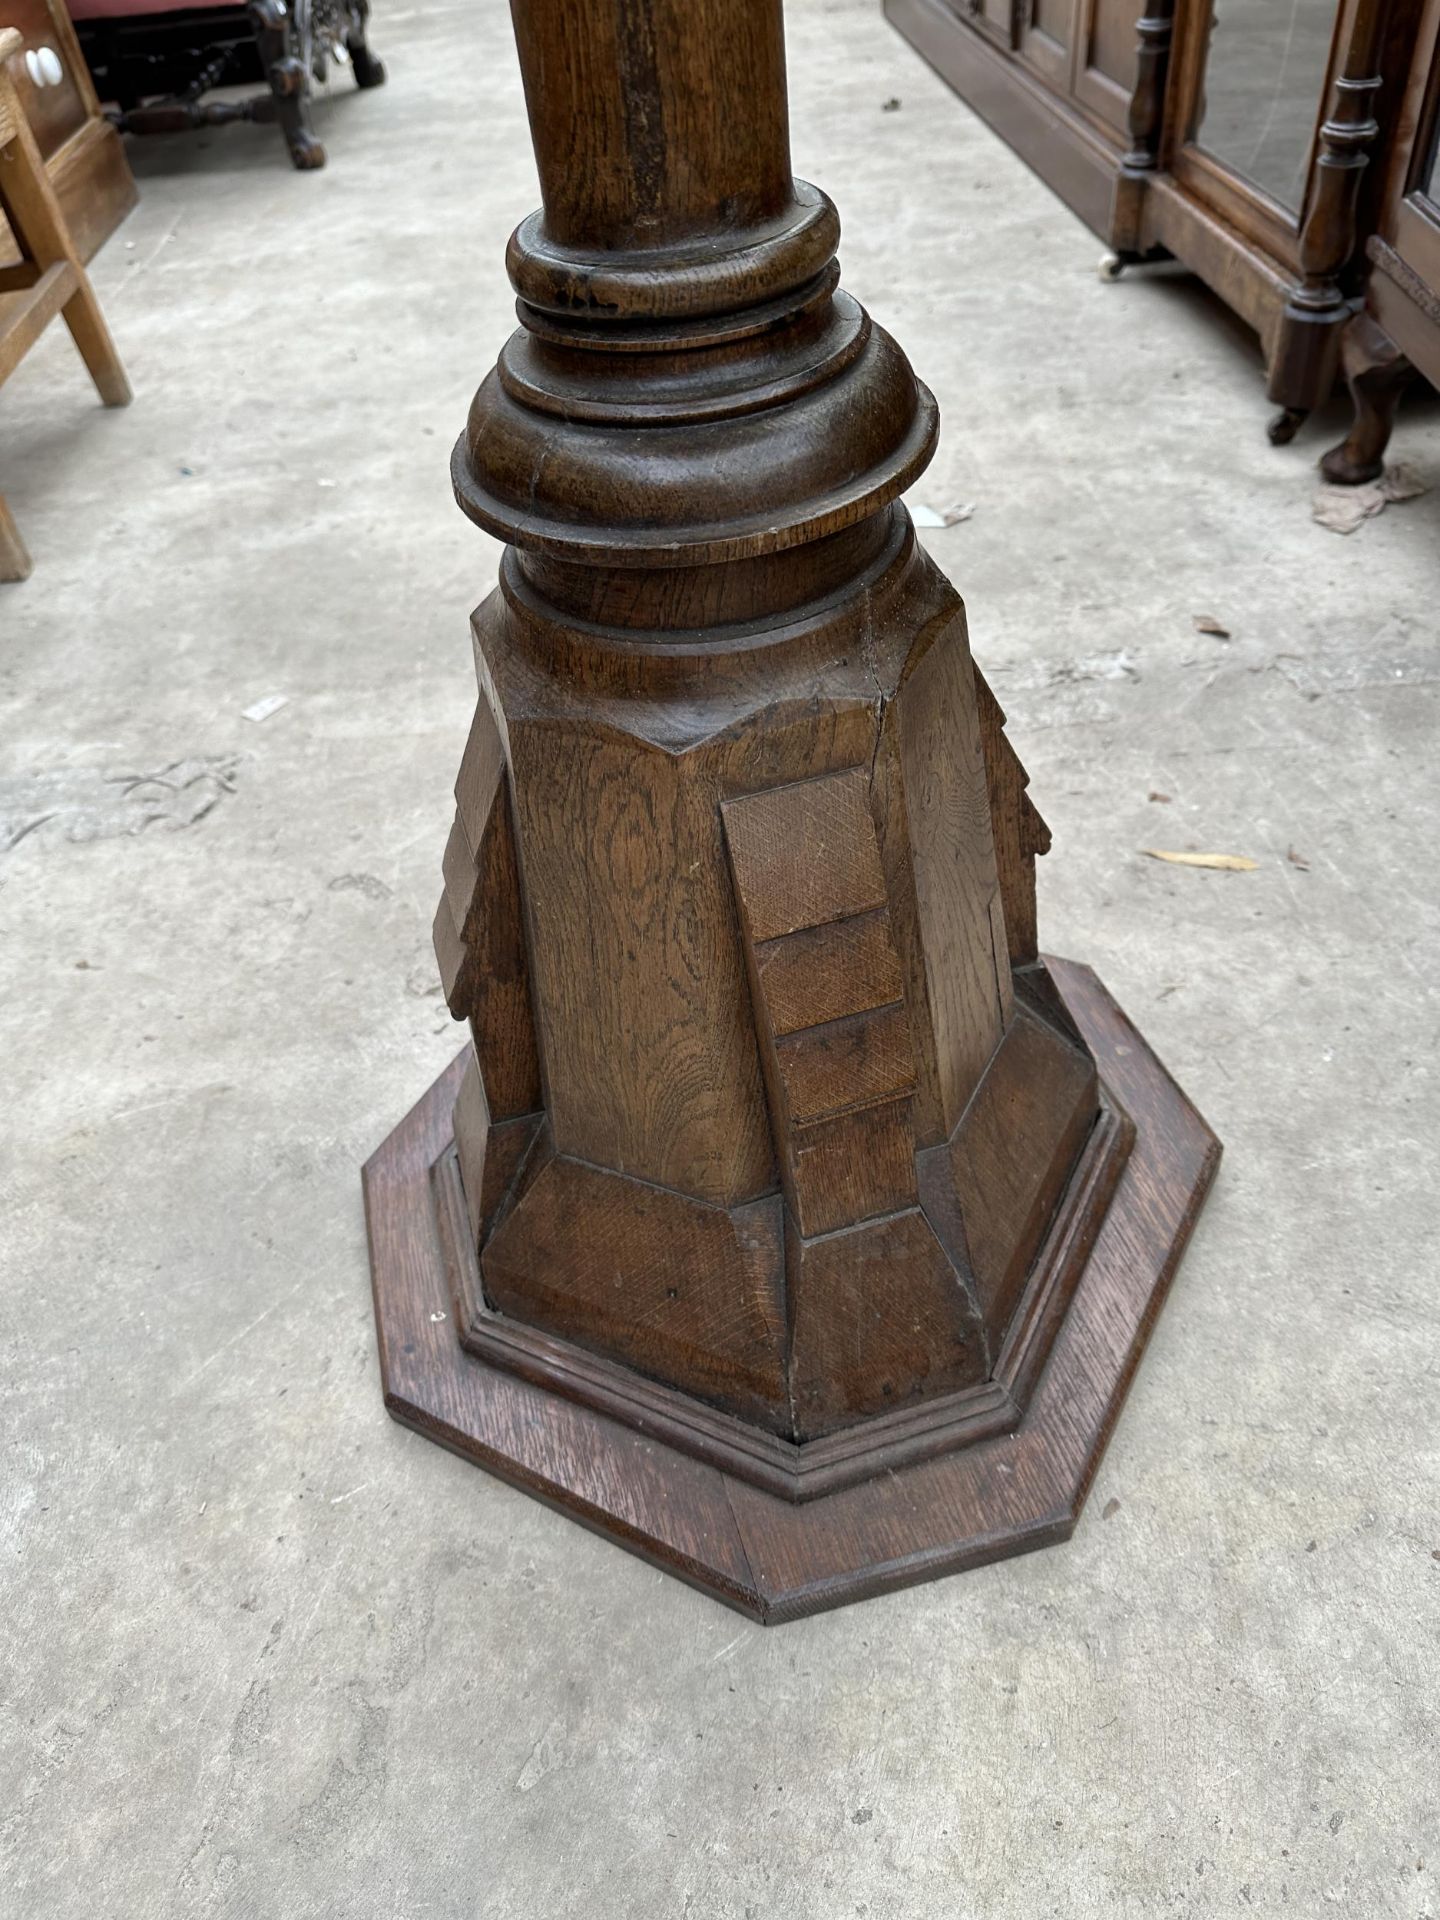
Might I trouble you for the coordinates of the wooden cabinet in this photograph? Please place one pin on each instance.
(81, 151)
(1397, 331)
(1054, 77)
(1405, 251)
(1248, 139)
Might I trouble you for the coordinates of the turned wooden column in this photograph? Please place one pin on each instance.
(1308, 339)
(779, 1166)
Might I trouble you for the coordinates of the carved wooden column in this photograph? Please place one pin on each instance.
(1307, 344)
(787, 1219)
(1154, 31)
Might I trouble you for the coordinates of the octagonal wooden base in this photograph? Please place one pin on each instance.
(768, 1557)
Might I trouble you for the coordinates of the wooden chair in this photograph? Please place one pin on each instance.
(49, 278)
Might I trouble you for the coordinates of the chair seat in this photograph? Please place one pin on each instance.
(129, 9)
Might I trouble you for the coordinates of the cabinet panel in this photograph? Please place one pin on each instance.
(1107, 59)
(1053, 18)
(1113, 42)
(1047, 38)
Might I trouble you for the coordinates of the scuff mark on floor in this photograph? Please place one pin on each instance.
(80, 804)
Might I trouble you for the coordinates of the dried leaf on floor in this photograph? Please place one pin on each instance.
(1343, 509)
(1297, 859)
(1163, 798)
(1228, 862)
(952, 516)
(1207, 623)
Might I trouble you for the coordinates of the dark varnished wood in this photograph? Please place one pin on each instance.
(1302, 368)
(750, 1451)
(1397, 331)
(772, 1557)
(1376, 372)
(775, 1142)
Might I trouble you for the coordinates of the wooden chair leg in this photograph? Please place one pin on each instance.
(288, 81)
(14, 560)
(368, 71)
(28, 200)
(1376, 371)
(92, 337)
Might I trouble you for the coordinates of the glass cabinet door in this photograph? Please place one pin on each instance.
(1263, 91)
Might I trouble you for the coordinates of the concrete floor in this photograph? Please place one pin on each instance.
(266, 1653)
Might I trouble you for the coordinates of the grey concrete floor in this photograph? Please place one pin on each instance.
(266, 1653)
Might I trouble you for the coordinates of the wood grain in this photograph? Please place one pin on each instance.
(693, 1294)
(767, 1557)
(782, 1149)
(480, 940)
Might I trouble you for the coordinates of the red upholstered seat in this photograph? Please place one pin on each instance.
(128, 9)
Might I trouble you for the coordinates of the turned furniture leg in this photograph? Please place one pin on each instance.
(289, 83)
(1376, 372)
(369, 72)
(14, 560)
(1302, 369)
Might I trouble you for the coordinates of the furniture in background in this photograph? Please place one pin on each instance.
(48, 278)
(1248, 139)
(1397, 331)
(157, 60)
(786, 1217)
(83, 154)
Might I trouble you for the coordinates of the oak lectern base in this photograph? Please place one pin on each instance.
(770, 1557)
